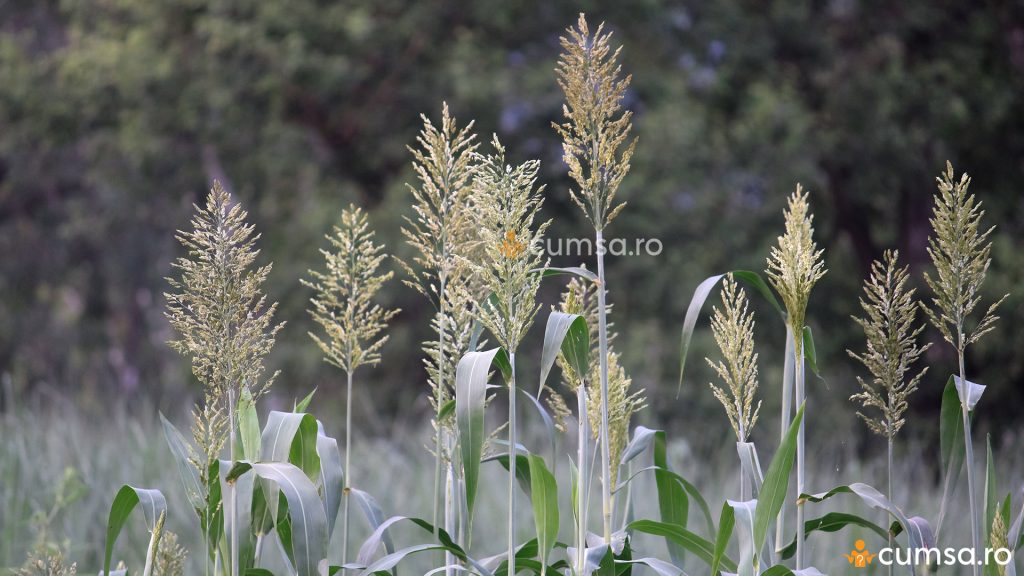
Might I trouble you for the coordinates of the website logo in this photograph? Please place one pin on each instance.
(859, 557)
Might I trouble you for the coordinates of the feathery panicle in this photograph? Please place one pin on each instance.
(170, 558)
(795, 265)
(218, 307)
(343, 305)
(443, 237)
(596, 144)
(1000, 538)
(46, 565)
(960, 253)
(889, 327)
(442, 229)
(221, 314)
(506, 203)
(733, 329)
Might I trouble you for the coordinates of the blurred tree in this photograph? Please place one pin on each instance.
(115, 115)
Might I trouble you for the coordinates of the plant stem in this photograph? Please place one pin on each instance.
(345, 493)
(449, 515)
(892, 540)
(787, 389)
(602, 323)
(582, 476)
(512, 467)
(231, 485)
(968, 453)
(440, 383)
(800, 450)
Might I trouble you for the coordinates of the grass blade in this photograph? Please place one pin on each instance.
(153, 504)
(683, 538)
(544, 496)
(776, 483)
(470, 399)
(726, 522)
(568, 334)
(189, 475)
(673, 504)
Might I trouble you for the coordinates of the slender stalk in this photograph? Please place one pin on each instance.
(602, 321)
(449, 515)
(231, 485)
(345, 493)
(800, 452)
(892, 540)
(787, 400)
(968, 455)
(512, 467)
(582, 479)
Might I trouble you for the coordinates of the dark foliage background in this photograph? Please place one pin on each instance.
(116, 115)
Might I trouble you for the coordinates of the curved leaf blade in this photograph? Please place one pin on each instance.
(153, 504)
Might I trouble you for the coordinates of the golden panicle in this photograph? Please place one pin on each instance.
(1000, 538)
(506, 203)
(217, 307)
(344, 305)
(46, 565)
(889, 327)
(170, 557)
(733, 329)
(623, 402)
(960, 252)
(795, 265)
(443, 239)
(596, 143)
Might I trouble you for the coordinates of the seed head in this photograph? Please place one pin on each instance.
(889, 328)
(733, 329)
(795, 265)
(596, 144)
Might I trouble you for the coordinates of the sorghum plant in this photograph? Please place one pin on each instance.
(352, 323)
(889, 329)
(794, 267)
(597, 148)
(960, 251)
(506, 203)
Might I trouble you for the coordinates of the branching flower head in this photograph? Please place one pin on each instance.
(889, 328)
(442, 235)
(343, 305)
(46, 565)
(596, 144)
(506, 203)
(960, 253)
(795, 265)
(733, 329)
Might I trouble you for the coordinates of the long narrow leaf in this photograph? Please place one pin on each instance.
(470, 399)
(684, 538)
(776, 483)
(153, 504)
(544, 497)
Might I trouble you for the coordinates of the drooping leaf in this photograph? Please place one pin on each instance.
(566, 334)
(373, 513)
(153, 504)
(546, 419)
(810, 352)
(243, 488)
(470, 399)
(193, 486)
(684, 538)
(660, 567)
(308, 521)
(833, 522)
(571, 270)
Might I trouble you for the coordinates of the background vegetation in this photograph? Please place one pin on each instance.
(116, 115)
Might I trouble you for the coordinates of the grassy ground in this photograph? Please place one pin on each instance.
(45, 448)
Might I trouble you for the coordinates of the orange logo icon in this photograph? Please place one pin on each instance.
(859, 557)
(511, 248)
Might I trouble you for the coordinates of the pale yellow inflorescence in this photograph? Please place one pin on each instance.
(795, 264)
(891, 348)
(960, 253)
(596, 143)
(506, 202)
(344, 305)
(733, 328)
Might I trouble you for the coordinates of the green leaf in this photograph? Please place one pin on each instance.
(303, 405)
(244, 487)
(194, 490)
(673, 505)
(447, 408)
(305, 511)
(809, 351)
(248, 426)
(470, 399)
(373, 514)
(660, 567)
(951, 444)
(571, 270)
(332, 477)
(544, 496)
(776, 483)
(726, 522)
(568, 334)
(755, 281)
(522, 469)
(684, 538)
(833, 522)
(153, 505)
(549, 422)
